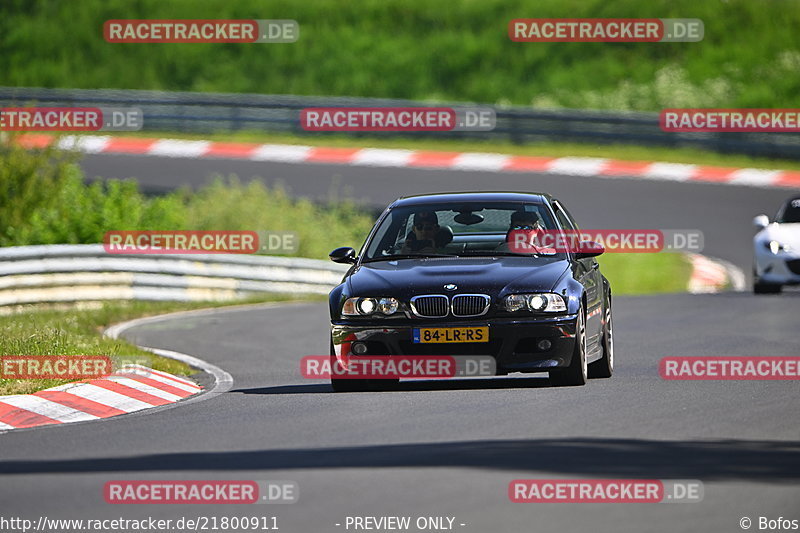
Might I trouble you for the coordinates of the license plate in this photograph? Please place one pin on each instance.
(441, 335)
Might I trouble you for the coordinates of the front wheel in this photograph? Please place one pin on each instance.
(766, 288)
(577, 372)
(759, 287)
(604, 367)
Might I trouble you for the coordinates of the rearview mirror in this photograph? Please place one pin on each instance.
(761, 221)
(468, 219)
(589, 249)
(345, 254)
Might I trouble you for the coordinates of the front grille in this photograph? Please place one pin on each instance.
(439, 306)
(431, 306)
(470, 304)
(794, 266)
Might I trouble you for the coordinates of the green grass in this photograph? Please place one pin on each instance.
(416, 49)
(646, 273)
(76, 331)
(543, 149)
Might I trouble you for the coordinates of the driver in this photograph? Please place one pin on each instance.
(425, 235)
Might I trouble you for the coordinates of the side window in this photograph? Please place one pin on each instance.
(388, 235)
(562, 217)
(570, 217)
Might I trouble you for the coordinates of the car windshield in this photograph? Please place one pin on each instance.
(789, 213)
(462, 230)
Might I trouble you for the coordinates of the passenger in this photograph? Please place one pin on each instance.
(523, 233)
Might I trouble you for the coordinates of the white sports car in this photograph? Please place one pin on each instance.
(777, 249)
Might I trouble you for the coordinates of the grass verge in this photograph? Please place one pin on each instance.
(78, 331)
(646, 273)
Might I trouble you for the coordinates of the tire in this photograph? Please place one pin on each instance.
(604, 367)
(764, 288)
(345, 385)
(577, 373)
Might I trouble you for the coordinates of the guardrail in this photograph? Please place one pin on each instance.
(69, 273)
(227, 112)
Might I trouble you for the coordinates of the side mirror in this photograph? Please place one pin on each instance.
(345, 254)
(761, 221)
(589, 249)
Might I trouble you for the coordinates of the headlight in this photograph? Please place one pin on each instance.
(388, 306)
(515, 302)
(370, 306)
(547, 302)
(537, 302)
(366, 306)
(775, 247)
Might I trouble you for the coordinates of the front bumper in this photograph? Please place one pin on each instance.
(782, 268)
(512, 342)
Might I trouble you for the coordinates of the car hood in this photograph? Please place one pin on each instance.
(783, 233)
(490, 275)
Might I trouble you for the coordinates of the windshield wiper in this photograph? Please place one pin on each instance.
(405, 256)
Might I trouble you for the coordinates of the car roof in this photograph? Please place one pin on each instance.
(459, 197)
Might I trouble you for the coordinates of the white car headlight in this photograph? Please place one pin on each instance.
(775, 247)
(537, 302)
(370, 306)
(547, 302)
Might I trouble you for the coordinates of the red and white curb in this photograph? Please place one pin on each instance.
(132, 389)
(713, 275)
(135, 388)
(379, 157)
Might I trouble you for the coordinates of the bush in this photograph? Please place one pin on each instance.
(29, 182)
(44, 200)
(227, 204)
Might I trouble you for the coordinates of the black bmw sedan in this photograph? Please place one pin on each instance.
(455, 274)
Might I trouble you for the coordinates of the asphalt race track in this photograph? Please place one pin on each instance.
(451, 448)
